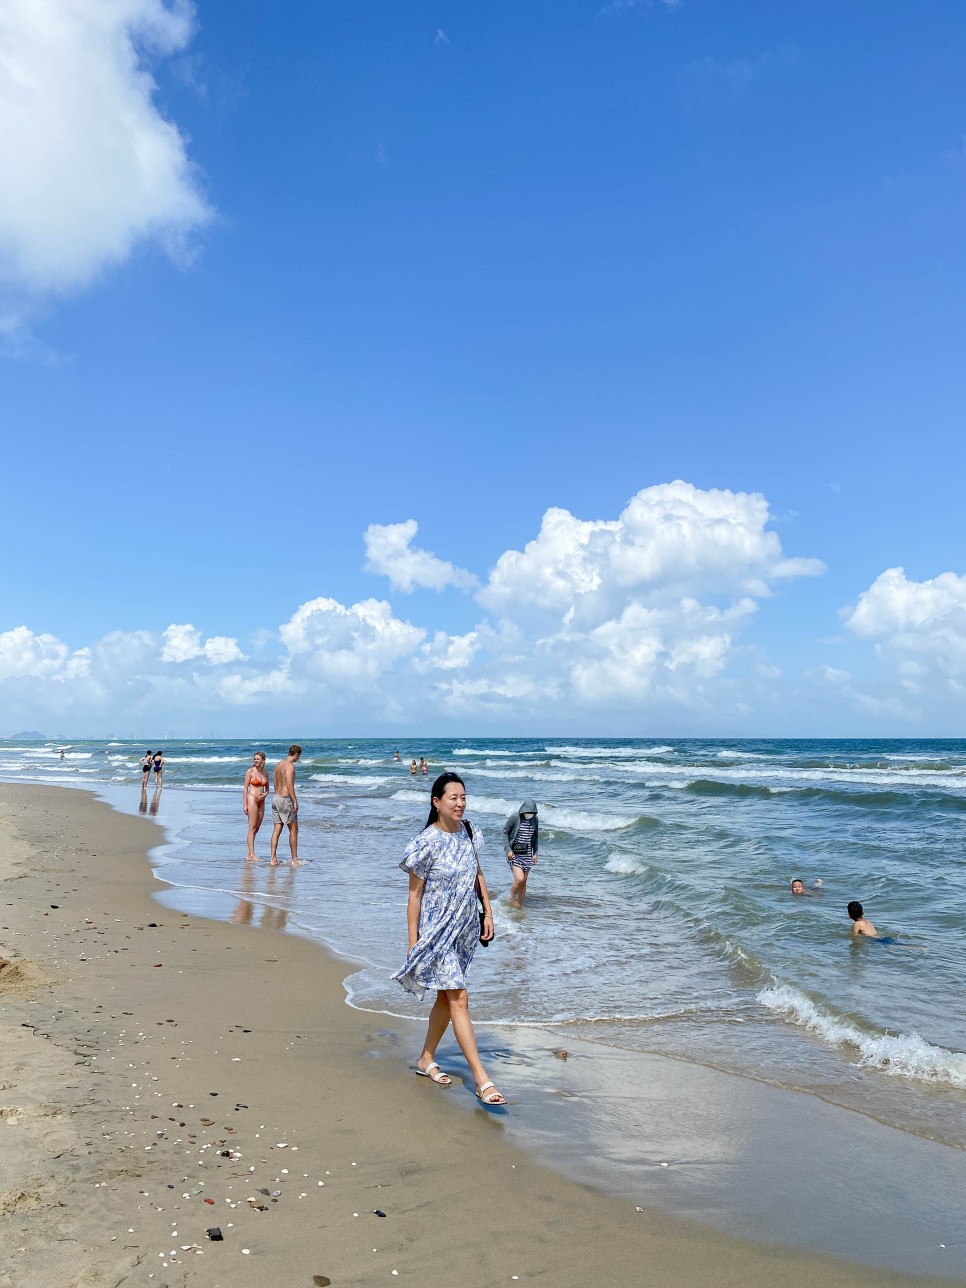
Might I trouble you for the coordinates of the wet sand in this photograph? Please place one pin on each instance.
(152, 1061)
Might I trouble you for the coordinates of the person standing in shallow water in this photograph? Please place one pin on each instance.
(521, 833)
(254, 791)
(444, 929)
(285, 805)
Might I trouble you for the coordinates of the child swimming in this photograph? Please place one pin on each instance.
(863, 928)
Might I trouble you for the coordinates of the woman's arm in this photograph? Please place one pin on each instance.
(245, 786)
(413, 907)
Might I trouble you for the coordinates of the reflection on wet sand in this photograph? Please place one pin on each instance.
(278, 889)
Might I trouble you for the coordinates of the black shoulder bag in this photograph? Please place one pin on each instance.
(479, 892)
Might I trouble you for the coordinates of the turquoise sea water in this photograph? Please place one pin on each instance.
(659, 917)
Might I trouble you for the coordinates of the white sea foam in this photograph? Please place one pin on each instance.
(536, 775)
(354, 780)
(550, 816)
(902, 1056)
(622, 865)
(491, 751)
(206, 760)
(608, 753)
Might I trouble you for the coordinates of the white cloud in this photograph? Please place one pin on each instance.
(347, 645)
(389, 552)
(183, 644)
(671, 540)
(24, 655)
(449, 652)
(89, 167)
(920, 624)
(607, 618)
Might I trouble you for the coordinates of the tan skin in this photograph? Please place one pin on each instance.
(452, 1004)
(254, 793)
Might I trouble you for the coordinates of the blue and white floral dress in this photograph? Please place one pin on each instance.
(449, 924)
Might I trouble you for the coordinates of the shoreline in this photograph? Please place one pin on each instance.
(136, 1028)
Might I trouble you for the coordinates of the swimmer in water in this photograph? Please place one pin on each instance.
(798, 886)
(862, 928)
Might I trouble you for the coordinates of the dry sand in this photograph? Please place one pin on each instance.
(152, 1061)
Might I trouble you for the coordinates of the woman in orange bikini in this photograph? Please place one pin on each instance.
(254, 793)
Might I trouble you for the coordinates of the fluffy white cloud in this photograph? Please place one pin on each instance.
(449, 652)
(89, 167)
(183, 644)
(921, 624)
(606, 617)
(671, 540)
(24, 655)
(348, 644)
(390, 552)
(642, 608)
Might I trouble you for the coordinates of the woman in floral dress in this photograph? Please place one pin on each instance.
(444, 928)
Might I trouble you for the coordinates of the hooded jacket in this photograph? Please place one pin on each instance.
(512, 826)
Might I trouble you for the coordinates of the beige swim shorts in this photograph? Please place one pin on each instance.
(283, 809)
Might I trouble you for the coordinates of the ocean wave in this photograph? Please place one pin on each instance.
(353, 780)
(608, 753)
(491, 751)
(551, 816)
(207, 760)
(901, 1055)
(536, 775)
(622, 865)
(710, 787)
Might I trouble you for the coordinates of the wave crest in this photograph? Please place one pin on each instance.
(904, 1055)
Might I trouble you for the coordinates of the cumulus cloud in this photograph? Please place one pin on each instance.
(390, 552)
(610, 617)
(920, 624)
(89, 166)
(349, 644)
(183, 644)
(671, 540)
(24, 655)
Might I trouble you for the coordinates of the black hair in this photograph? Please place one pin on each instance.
(440, 785)
(855, 910)
(797, 881)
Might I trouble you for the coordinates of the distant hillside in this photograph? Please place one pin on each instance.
(27, 735)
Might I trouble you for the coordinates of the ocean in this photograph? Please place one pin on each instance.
(659, 918)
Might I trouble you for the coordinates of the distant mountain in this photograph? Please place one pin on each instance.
(27, 735)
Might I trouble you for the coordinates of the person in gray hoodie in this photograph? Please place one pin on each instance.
(520, 836)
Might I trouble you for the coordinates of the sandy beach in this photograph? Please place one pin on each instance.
(163, 1074)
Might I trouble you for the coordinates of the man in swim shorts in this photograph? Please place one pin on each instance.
(285, 805)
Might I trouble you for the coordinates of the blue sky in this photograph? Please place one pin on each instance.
(273, 277)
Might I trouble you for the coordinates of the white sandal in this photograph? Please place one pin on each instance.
(489, 1100)
(441, 1079)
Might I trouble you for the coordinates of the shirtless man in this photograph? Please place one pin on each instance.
(285, 805)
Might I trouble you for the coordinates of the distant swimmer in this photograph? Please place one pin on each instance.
(798, 886)
(395, 756)
(158, 763)
(254, 791)
(863, 928)
(285, 805)
(413, 768)
(521, 833)
(423, 765)
(146, 767)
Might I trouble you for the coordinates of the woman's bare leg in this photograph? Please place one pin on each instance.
(256, 812)
(438, 1022)
(519, 892)
(459, 1012)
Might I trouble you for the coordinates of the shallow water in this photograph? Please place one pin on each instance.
(659, 917)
